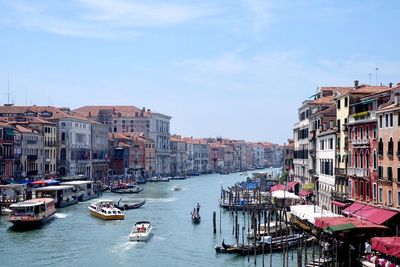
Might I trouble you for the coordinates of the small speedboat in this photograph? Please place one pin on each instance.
(141, 231)
(106, 210)
(5, 211)
(177, 188)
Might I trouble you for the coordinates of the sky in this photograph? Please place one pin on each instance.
(232, 68)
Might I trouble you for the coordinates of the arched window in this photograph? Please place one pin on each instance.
(361, 159)
(390, 147)
(380, 147)
(367, 159)
(375, 160)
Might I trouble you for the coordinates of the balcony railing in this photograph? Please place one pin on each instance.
(341, 171)
(32, 157)
(339, 196)
(360, 142)
(362, 116)
(359, 172)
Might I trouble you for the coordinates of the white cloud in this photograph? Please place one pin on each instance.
(118, 19)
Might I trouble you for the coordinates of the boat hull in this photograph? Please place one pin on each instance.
(107, 217)
(31, 224)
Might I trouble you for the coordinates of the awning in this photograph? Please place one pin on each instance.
(310, 212)
(278, 187)
(339, 204)
(338, 224)
(350, 210)
(9, 131)
(375, 215)
(292, 184)
(369, 213)
(304, 193)
(387, 245)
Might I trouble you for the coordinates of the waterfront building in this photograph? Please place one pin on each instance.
(128, 119)
(273, 155)
(7, 159)
(363, 147)
(386, 189)
(179, 156)
(345, 98)
(287, 163)
(258, 155)
(217, 156)
(300, 136)
(99, 150)
(32, 152)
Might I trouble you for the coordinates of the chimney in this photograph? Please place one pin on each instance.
(355, 84)
(390, 85)
(143, 109)
(113, 110)
(148, 110)
(90, 114)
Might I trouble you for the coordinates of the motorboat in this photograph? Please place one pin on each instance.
(5, 211)
(177, 188)
(32, 213)
(128, 205)
(106, 210)
(141, 231)
(274, 229)
(179, 178)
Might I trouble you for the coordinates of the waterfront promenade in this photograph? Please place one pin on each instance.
(74, 238)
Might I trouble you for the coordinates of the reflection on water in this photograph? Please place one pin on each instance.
(74, 238)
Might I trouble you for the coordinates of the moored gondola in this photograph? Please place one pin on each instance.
(126, 205)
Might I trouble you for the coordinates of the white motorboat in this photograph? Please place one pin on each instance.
(106, 210)
(5, 211)
(177, 188)
(141, 231)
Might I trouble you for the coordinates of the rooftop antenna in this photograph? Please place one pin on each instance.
(26, 96)
(8, 89)
(376, 75)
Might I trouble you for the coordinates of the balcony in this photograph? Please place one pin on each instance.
(363, 116)
(31, 142)
(339, 196)
(340, 172)
(359, 172)
(32, 157)
(360, 142)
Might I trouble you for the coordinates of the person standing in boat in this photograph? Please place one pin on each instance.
(198, 208)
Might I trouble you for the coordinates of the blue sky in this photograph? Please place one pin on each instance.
(231, 68)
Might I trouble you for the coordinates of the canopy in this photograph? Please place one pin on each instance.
(10, 131)
(339, 204)
(369, 213)
(387, 245)
(281, 194)
(291, 185)
(304, 193)
(46, 182)
(278, 187)
(338, 224)
(310, 212)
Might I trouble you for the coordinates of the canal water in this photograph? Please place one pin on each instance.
(74, 238)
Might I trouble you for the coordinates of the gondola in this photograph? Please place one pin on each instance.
(276, 245)
(123, 205)
(127, 190)
(196, 218)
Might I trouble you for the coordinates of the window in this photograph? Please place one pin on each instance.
(338, 104)
(322, 145)
(366, 132)
(380, 172)
(330, 143)
(389, 174)
(390, 197)
(374, 191)
(391, 120)
(390, 147)
(361, 132)
(380, 194)
(380, 147)
(367, 189)
(398, 198)
(346, 101)
(375, 132)
(375, 160)
(62, 136)
(367, 160)
(355, 133)
(386, 120)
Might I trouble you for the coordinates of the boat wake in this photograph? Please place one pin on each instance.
(158, 238)
(124, 247)
(61, 215)
(161, 200)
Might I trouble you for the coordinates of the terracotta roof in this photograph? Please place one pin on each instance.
(56, 113)
(125, 111)
(122, 144)
(24, 129)
(371, 89)
(323, 100)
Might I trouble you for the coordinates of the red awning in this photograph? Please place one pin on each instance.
(278, 187)
(339, 204)
(375, 215)
(292, 184)
(350, 210)
(304, 193)
(387, 245)
(334, 224)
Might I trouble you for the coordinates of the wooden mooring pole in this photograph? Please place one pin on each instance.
(215, 222)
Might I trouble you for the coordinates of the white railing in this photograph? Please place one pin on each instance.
(358, 172)
(360, 142)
